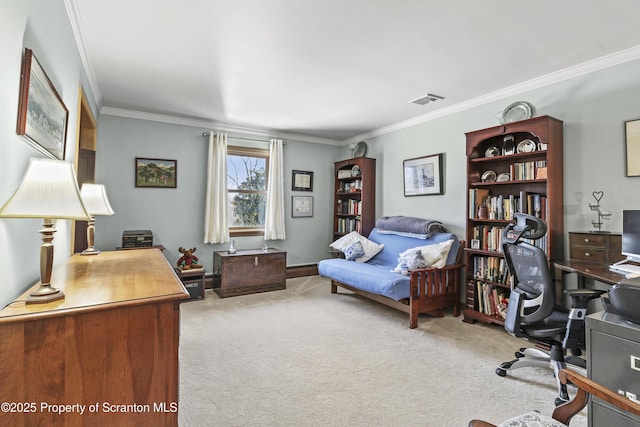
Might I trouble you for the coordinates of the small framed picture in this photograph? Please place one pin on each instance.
(301, 206)
(156, 173)
(423, 176)
(475, 244)
(301, 180)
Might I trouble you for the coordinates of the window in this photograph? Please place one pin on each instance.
(247, 170)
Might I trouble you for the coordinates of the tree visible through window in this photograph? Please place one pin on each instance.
(246, 189)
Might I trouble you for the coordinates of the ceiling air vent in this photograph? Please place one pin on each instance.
(423, 100)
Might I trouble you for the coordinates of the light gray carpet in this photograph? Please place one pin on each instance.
(304, 357)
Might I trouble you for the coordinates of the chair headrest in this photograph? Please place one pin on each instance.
(525, 227)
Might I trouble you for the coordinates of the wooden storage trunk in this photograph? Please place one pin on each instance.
(249, 271)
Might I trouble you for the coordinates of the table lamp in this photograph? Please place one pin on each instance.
(94, 198)
(49, 190)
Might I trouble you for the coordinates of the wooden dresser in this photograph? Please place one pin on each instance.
(249, 271)
(109, 349)
(595, 247)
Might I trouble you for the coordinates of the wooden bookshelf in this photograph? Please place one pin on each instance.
(515, 167)
(354, 196)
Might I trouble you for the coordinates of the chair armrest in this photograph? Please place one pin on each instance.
(589, 293)
(427, 269)
(580, 297)
(565, 412)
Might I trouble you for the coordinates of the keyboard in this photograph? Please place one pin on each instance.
(625, 268)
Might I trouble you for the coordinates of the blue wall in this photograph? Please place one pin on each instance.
(593, 107)
(42, 26)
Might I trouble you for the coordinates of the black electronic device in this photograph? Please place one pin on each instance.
(631, 234)
(137, 238)
(625, 299)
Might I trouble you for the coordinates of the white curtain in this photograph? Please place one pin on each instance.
(216, 228)
(274, 215)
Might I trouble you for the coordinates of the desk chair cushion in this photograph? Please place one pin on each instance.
(531, 419)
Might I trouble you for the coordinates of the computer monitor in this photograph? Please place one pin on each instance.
(631, 234)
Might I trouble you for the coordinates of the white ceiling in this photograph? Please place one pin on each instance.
(335, 69)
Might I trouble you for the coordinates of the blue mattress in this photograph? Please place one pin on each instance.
(375, 275)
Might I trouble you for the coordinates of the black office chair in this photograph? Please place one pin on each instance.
(533, 313)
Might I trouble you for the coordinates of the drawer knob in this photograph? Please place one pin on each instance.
(587, 254)
(587, 240)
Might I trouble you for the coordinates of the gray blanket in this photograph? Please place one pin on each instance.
(407, 224)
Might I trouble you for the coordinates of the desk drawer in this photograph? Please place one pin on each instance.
(588, 253)
(586, 239)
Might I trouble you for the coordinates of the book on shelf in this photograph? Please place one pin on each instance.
(491, 300)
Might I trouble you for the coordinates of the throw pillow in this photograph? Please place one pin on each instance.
(435, 255)
(532, 418)
(371, 249)
(353, 251)
(409, 261)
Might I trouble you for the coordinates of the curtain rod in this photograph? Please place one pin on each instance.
(206, 135)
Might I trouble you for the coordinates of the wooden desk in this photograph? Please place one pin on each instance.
(588, 270)
(112, 341)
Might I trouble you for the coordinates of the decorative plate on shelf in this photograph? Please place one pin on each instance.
(355, 170)
(492, 151)
(488, 176)
(503, 177)
(515, 112)
(526, 146)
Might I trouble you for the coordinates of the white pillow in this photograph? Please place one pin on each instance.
(370, 248)
(435, 255)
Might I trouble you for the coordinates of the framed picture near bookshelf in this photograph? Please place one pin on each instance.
(301, 206)
(301, 180)
(632, 135)
(42, 116)
(423, 176)
(156, 173)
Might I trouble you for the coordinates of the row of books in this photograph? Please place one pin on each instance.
(349, 207)
(489, 238)
(504, 206)
(491, 268)
(347, 225)
(350, 186)
(520, 171)
(492, 300)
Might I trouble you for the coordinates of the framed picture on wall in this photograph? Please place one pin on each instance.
(423, 176)
(42, 116)
(301, 180)
(632, 136)
(158, 173)
(301, 206)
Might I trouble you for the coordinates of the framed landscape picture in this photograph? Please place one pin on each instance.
(42, 116)
(158, 173)
(423, 176)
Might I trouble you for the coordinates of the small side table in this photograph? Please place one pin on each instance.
(193, 281)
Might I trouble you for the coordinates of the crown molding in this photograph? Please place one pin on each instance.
(588, 67)
(78, 33)
(208, 124)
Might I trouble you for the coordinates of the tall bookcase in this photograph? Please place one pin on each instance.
(354, 196)
(515, 167)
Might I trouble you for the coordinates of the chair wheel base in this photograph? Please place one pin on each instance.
(501, 372)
